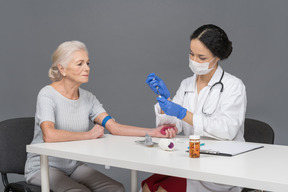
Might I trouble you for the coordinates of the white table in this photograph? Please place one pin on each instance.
(265, 168)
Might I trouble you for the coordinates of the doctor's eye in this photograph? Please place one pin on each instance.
(191, 56)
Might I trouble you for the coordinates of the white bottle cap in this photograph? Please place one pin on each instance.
(194, 137)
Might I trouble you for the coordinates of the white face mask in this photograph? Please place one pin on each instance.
(200, 68)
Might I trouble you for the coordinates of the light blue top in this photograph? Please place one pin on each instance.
(70, 115)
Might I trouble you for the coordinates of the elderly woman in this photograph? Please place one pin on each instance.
(211, 103)
(62, 114)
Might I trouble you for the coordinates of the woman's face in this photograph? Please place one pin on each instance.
(200, 53)
(78, 68)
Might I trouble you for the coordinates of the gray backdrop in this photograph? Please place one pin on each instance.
(128, 39)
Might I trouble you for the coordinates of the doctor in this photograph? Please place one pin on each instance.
(211, 103)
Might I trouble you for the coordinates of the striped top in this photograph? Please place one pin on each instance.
(70, 115)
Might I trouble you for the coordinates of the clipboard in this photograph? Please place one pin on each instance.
(229, 148)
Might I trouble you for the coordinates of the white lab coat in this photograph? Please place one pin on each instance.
(226, 123)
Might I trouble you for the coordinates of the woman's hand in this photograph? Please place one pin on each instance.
(96, 132)
(154, 81)
(169, 131)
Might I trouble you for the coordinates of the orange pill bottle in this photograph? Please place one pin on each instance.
(194, 146)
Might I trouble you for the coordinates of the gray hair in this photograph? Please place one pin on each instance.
(62, 56)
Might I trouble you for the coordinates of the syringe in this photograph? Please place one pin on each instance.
(157, 88)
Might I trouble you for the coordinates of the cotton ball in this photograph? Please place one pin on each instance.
(166, 144)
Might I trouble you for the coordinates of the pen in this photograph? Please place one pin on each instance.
(201, 144)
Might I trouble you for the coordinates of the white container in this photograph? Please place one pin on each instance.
(166, 144)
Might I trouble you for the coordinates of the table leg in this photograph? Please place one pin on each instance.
(44, 173)
(133, 180)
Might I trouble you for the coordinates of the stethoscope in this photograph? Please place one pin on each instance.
(219, 85)
(216, 86)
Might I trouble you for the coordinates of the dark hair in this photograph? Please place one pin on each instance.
(215, 39)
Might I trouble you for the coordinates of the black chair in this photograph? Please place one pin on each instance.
(257, 132)
(15, 134)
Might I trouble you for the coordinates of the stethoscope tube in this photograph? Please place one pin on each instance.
(219, 82)
(221, 90)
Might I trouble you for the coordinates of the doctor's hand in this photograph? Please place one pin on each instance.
(166, 131)
(171, 108)
(153, 81)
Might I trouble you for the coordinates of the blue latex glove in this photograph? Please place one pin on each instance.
(153, 81)
(171, 108)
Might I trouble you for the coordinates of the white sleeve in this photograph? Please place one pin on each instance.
(225, 123)
(162, 119)
(96, 107)
(45, 108)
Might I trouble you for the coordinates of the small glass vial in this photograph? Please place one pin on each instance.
(194, 146)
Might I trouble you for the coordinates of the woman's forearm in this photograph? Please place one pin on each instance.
(188, 118)
(119, 129)
(54, 135)
(51, 134)
(127, 130)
